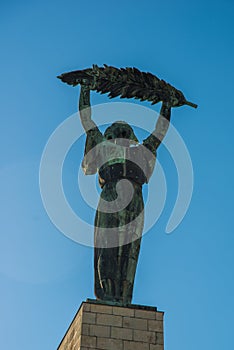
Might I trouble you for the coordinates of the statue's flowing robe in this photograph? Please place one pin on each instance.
(118, 225)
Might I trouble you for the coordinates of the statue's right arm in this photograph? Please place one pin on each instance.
(90, 163)
(85, 109)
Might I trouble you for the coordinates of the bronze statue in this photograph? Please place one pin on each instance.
(120, 160)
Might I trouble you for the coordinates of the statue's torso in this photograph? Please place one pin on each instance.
(117, 162)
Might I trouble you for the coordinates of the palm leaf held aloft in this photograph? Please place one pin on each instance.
(126, 83)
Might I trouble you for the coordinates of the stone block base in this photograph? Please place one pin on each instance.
(103, 326)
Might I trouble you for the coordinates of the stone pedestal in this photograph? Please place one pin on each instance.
(110, 327)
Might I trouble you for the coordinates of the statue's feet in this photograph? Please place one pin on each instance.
(108, 289)
(127, 292)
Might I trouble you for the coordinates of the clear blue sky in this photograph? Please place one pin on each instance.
(44, 276)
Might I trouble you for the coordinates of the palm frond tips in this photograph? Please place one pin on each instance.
(126, 83)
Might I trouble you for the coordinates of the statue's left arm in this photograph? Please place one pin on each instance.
(155, 138)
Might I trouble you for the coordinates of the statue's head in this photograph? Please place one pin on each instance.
(121, 130)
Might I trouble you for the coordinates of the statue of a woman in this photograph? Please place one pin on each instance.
(123, 166)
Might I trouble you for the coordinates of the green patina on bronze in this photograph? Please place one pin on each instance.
(126, 83)
(120, 161)
(115, 261)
